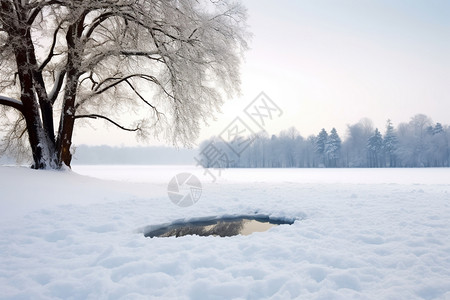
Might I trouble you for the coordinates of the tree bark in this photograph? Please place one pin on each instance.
(66, 125)
(67, 121)
(30, 108)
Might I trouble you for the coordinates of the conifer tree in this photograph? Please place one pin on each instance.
(390, 144)
(333, 148)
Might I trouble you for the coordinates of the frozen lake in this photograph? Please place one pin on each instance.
(357, 233)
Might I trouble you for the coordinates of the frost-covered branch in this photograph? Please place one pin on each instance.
(51, 53)
(36, 7)
(98, 21)
(103, 87)
(143, 99)
(11, 103)
(138, 53)
(57, 85)
(95, 116)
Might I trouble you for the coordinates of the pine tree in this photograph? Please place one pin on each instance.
(437, 150)
(438, 129)
(390, 144)
(374, 148)
(333, 148)
(321, 142)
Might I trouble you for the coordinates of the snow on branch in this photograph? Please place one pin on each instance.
(11, 102)
(57, 86)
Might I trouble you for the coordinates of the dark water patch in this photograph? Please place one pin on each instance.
(222, 227)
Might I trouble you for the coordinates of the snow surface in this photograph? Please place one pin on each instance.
(358, 234)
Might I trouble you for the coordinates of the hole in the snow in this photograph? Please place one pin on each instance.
(225, 226)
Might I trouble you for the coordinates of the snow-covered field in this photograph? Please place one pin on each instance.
(359, 234)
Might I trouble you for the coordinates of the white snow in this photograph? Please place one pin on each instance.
(359, 234)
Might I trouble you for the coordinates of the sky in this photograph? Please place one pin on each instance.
(330, 63)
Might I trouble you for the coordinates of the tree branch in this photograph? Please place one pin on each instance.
(90, 63)
(146, 54)
(57, 86)
(97, 89)
(143, 99)
(138, 53)
(95, 116)
(37, 7)
(99, 20)
(50, 53)
(11, 103)
(147, 77)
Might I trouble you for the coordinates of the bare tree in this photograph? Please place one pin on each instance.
(169, 64)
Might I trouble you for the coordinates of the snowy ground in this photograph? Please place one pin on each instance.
(359, 234)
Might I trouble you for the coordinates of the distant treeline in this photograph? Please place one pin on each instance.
(418, 143)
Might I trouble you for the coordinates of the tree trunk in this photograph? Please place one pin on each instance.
(19, 36)
(37, 138)
(65, 133)
(67, 122)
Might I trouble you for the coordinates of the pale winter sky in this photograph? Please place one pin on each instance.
(329, 63)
